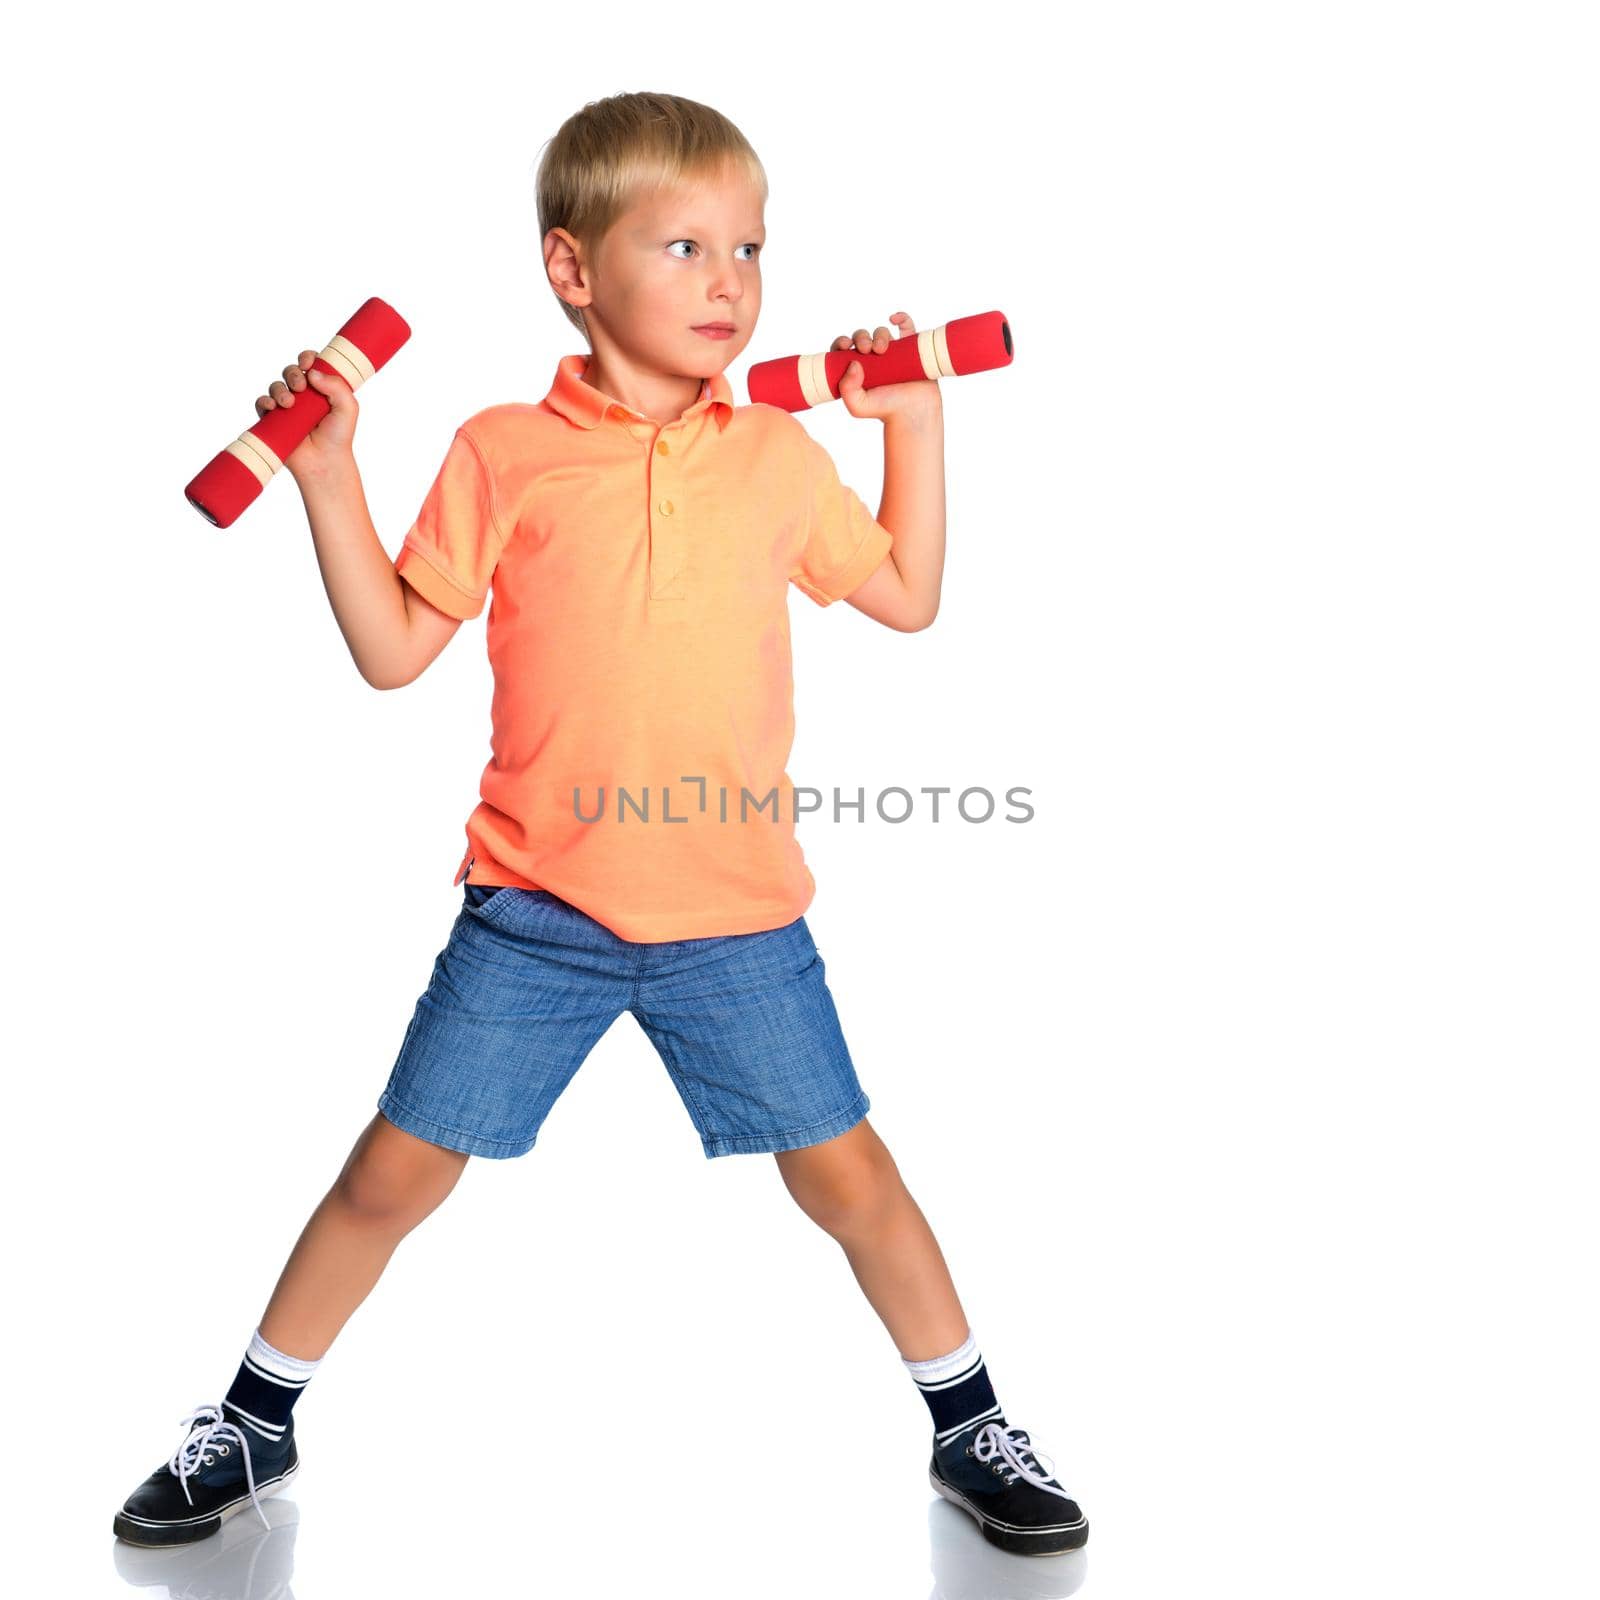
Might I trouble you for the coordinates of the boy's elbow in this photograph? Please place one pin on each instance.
(378, 678)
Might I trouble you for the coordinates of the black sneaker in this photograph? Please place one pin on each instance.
(222, 1466)
(992, 1472)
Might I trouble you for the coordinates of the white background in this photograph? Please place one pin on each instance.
(1247, 1087)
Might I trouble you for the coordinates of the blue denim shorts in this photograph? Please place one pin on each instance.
(527, 984)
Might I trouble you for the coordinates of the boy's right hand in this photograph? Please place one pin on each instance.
(330, 443)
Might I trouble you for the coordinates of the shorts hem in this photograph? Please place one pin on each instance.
(472, 1144)
(794, 1139)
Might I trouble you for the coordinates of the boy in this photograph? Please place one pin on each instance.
(639, 532)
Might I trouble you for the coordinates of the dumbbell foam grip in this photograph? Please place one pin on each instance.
(236, 475)
(969, 344)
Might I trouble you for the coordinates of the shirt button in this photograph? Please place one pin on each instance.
(661, 447)
(664, 507)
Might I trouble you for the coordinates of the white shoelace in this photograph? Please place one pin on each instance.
(992, 1440)
(203, 1427)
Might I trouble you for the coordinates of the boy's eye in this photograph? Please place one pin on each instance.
(690, 242)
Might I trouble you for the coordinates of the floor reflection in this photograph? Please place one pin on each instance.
(242, 1561)
(967, 1567)
(247, 1562)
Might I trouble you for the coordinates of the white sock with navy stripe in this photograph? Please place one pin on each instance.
(957, 1389)
(265, 1389)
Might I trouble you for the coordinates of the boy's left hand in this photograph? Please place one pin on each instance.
(917, 397)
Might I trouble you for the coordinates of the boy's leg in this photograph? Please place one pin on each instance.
(245, 1448)
(851, 1188)
(389, 1183)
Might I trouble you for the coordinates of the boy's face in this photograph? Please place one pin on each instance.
(677, 259)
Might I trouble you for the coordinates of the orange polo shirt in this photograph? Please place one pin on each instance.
(643, 711)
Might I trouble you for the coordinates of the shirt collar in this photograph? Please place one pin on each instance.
(583, 404)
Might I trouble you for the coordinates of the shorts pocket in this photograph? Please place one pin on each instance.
(496, 903)
(486, 898)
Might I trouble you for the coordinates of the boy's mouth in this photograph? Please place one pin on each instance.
(715, 330)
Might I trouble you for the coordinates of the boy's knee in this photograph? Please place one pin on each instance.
(392, 1174)
(844, 1184)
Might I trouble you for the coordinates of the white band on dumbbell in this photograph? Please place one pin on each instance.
(348, 361)
(258, 456)
(934, 353)
(813, 375)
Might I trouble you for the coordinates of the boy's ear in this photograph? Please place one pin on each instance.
(563, 265)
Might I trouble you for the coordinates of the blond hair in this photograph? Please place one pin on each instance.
(603, 156)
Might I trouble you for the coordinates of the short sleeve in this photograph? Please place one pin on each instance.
(450, 551)
(844, 542)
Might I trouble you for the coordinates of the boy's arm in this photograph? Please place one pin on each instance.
(391, 631)
(431, 630)
(903, 591)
